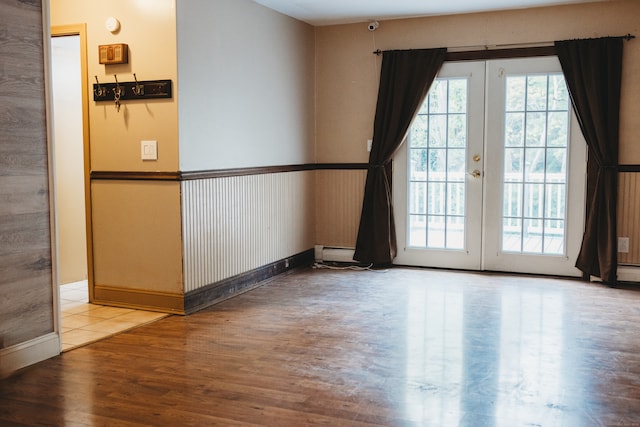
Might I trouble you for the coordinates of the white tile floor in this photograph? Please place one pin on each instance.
(84, 323)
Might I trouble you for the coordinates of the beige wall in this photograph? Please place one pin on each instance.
(247, 84)
(246, 99)
(136, 236)
(629, 216)
(246, 76)
(339, 196)
(135, 226)
(348, 73)
(149, 28)
(250, 82)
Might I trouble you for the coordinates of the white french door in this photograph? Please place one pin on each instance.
(437, 202)
(492, 176)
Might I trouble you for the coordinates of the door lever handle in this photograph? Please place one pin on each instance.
(476, 173)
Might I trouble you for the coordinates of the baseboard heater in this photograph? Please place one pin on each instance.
(625, 274)
(629, 273)
(334, 254)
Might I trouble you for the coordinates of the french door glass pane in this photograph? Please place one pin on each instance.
(437, 146)
(535, 164)
(436, 231)
(418, 226)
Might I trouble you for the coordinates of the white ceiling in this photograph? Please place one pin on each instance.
(328, 12)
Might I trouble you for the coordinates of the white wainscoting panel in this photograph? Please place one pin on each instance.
(233, 225)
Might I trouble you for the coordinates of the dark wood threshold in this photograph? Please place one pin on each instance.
(233, 286)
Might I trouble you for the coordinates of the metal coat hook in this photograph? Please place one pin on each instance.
(117, 93)
(138, 89)
(99, 91)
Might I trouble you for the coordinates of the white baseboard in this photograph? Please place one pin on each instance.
(24, 354)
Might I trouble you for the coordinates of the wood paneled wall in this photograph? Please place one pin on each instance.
(26, 291)
(629, 216)
(339, 196)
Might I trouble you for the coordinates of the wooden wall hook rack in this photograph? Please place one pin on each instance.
(148, 89)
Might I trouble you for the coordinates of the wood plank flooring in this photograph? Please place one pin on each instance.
(405, 347)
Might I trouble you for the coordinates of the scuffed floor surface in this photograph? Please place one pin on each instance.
(405, 347)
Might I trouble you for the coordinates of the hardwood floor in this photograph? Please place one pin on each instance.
(406, 347)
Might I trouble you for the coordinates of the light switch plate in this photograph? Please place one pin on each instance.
(149, 150)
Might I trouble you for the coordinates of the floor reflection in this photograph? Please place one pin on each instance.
(530, 358)
(435, 355)
(493, 358)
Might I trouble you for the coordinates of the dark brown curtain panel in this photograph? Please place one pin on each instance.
(404, 82)
(593, 70)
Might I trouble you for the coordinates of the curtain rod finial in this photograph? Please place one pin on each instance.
(377, 52)
(629, 36)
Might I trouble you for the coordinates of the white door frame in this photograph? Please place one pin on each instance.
(493, 258)
(490, 257)
(81, 31)
(470, 256)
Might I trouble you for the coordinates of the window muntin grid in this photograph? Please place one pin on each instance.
(536, 139)
(437, 158)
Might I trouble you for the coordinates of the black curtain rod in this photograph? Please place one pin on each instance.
(626, 37)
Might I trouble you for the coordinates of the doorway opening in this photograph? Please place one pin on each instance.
(69, 89)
